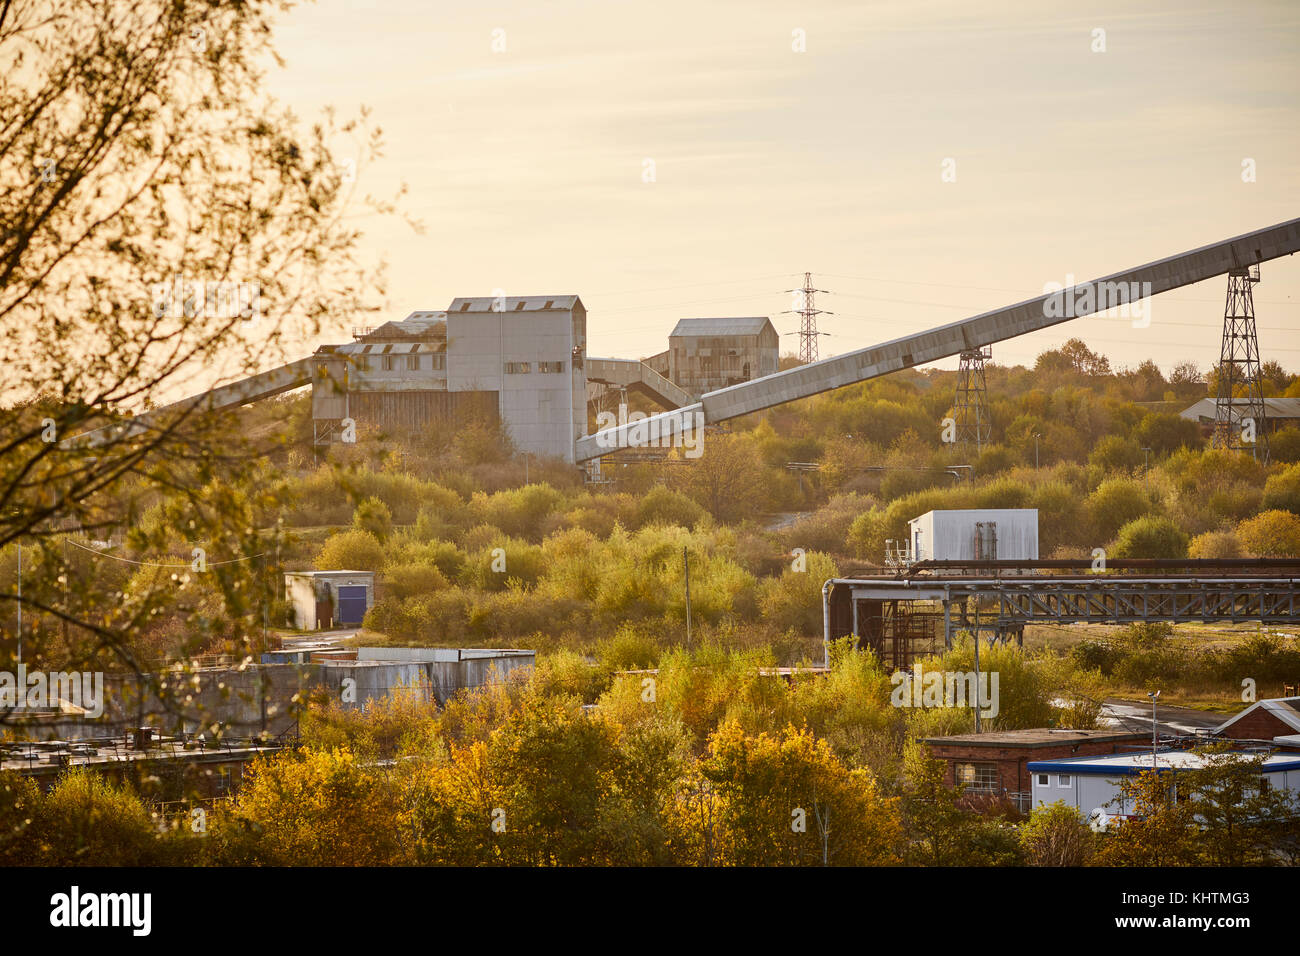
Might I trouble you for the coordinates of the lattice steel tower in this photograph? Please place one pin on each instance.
(970, 405)
(808, 328)
(1240, 417)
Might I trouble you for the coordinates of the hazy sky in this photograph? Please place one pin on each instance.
(527, 165)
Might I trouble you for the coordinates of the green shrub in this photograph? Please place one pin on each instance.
(1151, 536)
(1272, 534)
(373, 516)
(1114, 503)
(351, 551)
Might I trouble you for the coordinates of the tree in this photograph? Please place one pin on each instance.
(1215, 545)
(372, 516)
(313, 808)
(1161, 831)
(1186, 378)
(787, 801)
(1074, 356)
(1057, 835)
(159, 216)
(351, 551)
(1241, 817)
(1165, 433)
(1151, 536)
(1282, 491)
(1115, 503)
(1271, 534)
(1117, 455)
(727, 480)
(939, 832)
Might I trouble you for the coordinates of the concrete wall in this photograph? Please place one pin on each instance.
(260, 698)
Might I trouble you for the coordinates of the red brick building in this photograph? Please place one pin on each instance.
(1275, 721)
(992, 766)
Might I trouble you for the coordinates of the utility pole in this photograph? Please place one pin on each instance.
(20, 602)
(1154, 697)
(808, 326)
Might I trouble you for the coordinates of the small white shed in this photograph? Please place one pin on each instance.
(324, 599)
(983, 534)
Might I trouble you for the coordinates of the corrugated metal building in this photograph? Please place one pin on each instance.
(707, 354)
(518, 360)
(985, 534)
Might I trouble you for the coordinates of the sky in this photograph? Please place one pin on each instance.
(678, 159)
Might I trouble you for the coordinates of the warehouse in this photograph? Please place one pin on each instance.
(707, 354)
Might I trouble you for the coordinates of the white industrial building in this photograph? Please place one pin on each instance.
(985, 534)
(324, 599)
(1090, 783)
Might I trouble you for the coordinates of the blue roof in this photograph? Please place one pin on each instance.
(1135, 762)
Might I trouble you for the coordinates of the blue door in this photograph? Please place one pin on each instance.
(352, 604)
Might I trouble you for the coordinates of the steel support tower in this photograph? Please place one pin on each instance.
(970, 404)
(1239, 411)
(808, 325)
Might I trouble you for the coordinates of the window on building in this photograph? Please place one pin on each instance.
(977, 776)
(550, 368)
(363, 363)
(439, 360)
(518, 368)
(413, 363)
(1063, 780)
(388, 363)
(1043, 780)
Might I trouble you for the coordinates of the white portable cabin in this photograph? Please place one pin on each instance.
(1090, 784)
(984, 534)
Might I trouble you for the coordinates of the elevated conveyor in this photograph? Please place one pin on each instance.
(255, 388)
(1047, 310)
(638, 377)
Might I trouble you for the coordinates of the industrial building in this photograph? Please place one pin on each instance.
(517, 353)
(1090, 784)
(1277, 412)
(985, 534)
(329, 598)
(708, 354)
(994, 766)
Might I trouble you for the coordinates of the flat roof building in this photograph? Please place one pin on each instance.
(1090, 784)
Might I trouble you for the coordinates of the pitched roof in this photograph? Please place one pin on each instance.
(734, 325)
(1273, 408)
(1285, 709)
(523, 303)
